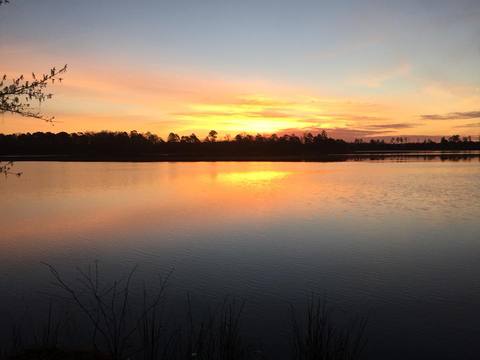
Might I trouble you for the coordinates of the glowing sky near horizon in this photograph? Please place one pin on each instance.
(356, 68)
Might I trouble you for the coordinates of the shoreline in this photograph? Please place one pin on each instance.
(357, 156)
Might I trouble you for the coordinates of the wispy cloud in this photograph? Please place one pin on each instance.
(335, 132)
(391, 126)
(472, 125)
(377, 79)
(453, 116)
(353, 117)
(271, 114)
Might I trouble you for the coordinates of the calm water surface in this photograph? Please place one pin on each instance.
(397, 241)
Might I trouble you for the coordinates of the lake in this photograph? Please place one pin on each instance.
(396, 241)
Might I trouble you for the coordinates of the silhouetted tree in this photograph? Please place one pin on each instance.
(190, 139)
(212, 136)
(323, 135)
(308, 138)
(173, 138)
(17, 95)
(259, 139)
(454, 139)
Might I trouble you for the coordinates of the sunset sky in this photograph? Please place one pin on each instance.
(355, 68)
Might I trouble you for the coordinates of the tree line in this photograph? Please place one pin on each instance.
(108, 143)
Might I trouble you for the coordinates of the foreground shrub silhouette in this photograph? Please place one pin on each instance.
(318, 338)
(115, 323)
(123, 327)
(217, 336)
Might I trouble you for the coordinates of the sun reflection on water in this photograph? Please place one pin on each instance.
(252, 177)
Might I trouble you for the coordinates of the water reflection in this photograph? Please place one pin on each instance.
(400, 238)
(252, 177)
(464, 156)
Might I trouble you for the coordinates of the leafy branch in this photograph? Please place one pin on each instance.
(5, 168)
(17, 95)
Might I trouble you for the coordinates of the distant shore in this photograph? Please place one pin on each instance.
(357, 156)
(134, 146)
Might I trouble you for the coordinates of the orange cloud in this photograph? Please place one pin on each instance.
(99, 97)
